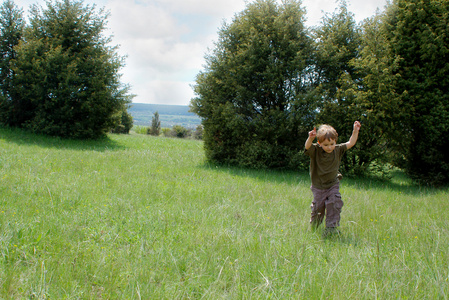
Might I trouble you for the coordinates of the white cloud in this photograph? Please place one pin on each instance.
(361, 9)
(165, 92)
(163, 55)
(164, 46)
(131, 20)
(165, 40)
(217, 8)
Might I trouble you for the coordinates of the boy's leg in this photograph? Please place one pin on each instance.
(333, 207)
(318, 207)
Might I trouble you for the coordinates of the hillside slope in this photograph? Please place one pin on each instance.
(169, 115)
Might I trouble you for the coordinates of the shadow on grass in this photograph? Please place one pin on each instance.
(399, 181)
(290, 177)
(23, 137)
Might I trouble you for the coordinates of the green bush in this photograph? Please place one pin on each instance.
(166, 132)
(180, 132)
(253, 96)
(124, 123)
(66, 75)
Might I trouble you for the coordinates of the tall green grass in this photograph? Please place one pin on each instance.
(140, 217)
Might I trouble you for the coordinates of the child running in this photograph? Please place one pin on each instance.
(325, 157)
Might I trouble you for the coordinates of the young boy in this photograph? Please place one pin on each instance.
(325, 158)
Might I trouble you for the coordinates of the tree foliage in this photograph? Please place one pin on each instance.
(123, 121)
(254, 94)
(337, 43)
(66, 79)
(11, 30)
(375, 99)
(268, 82)
(155, 125)
(418, 34)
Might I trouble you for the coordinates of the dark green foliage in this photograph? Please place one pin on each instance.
(253, 96)
(418, 34)
(338, 42)
(66, 76)
(379, 105)
(11, 31)
(124, 122)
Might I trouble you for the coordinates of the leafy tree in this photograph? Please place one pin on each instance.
(375, 99)
(155, 125)
(338, 41)
(11, 30)
(418, 34)
(254, 94)
(67, 81)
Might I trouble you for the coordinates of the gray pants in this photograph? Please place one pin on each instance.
(326, 202)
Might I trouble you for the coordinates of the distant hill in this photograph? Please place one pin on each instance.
(169, 115)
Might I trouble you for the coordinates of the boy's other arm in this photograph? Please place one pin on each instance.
(354, 136)
(312, 135)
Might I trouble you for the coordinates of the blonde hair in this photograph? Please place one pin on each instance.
(326, 132)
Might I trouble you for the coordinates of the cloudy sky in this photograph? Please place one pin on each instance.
(165, 40)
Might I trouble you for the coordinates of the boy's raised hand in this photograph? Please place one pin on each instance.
(357, 125)
(312, 133)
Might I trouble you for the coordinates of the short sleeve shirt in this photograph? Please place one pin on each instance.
(324, 166)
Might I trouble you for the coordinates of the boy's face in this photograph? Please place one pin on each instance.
(328, 145)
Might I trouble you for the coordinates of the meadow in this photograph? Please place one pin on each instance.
(142, 217)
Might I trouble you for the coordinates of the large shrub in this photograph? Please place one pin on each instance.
(66, 79)
(253, 94)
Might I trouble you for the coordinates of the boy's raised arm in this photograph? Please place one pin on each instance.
(312, 135)
(354, 136)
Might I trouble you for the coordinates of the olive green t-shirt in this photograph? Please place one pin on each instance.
(324, 166)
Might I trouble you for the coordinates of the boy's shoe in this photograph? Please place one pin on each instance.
(331, 231)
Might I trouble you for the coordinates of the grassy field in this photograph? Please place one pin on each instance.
(140, 217)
